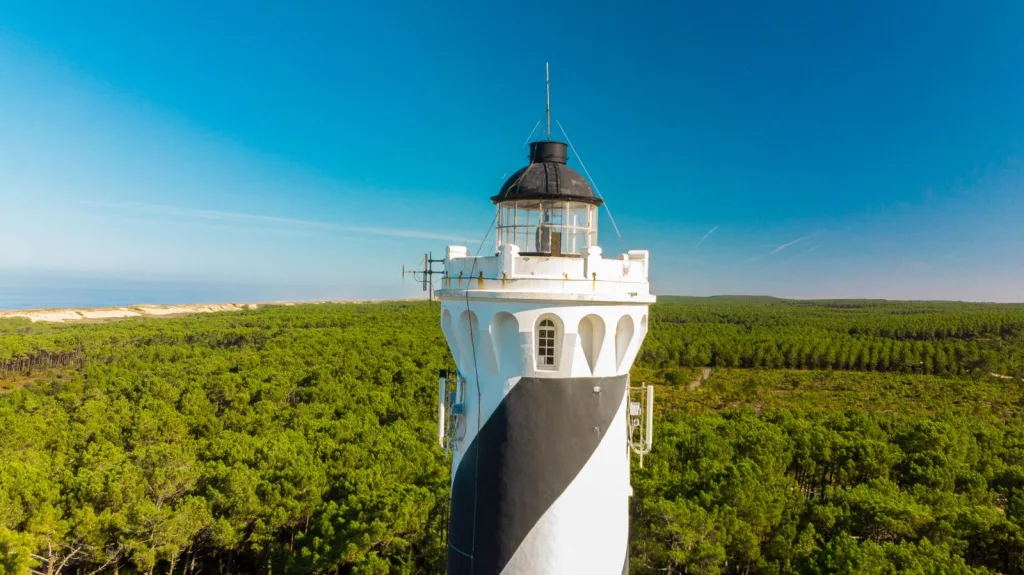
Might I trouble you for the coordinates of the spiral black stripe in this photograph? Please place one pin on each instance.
(530, 449)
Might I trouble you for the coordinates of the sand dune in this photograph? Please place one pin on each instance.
(72, 315)
(146, 310)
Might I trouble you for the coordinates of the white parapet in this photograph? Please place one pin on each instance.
(510, 275)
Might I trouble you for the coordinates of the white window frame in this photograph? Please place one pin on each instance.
(548, 338)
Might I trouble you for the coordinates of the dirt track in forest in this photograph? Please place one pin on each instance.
(705, 374)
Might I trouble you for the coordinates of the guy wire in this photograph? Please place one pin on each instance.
(589, 177)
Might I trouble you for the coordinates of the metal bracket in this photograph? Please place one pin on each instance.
(426, 274)
(641, 420)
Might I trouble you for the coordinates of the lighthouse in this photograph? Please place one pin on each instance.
(538, 417)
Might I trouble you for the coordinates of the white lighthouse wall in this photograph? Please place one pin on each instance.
(493, 325)
(586, 530)
(493, 322)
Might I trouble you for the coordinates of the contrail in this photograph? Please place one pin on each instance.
(812, 248)
(794, 242)
(711, 231)
(215, 215)
(802, 254)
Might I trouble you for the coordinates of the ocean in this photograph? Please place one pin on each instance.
(20, 291)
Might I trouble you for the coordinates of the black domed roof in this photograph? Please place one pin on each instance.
(547, 178)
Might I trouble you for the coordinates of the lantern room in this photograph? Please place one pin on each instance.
(547, 208)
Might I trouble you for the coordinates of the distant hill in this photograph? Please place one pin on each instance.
(824, 303)
(751, 299)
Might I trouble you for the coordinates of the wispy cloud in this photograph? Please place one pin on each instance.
(799, 255)
(239, 217)
(793, 243)
(812, 248)
(711, 231)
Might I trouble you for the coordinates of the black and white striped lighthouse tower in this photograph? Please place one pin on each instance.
(537, 418)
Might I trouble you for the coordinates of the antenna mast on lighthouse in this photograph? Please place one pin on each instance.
(547, 89)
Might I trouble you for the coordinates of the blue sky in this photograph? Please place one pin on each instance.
(817, 149)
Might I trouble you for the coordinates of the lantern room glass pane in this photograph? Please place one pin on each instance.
(549, 227)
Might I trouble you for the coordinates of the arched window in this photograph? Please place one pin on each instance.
(546, 353)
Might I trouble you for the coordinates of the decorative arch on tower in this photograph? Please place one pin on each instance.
(623, 337)
(505, 338)
(469, 330)
(591, 338)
